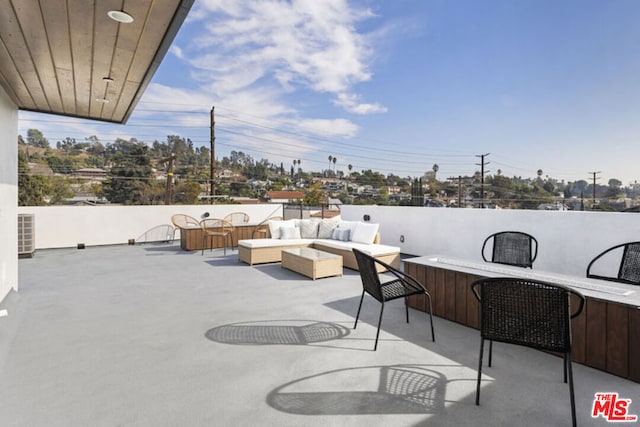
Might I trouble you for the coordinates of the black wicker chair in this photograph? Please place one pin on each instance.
(512, 248)
(529, 313)
(402, 286)
(629, 269)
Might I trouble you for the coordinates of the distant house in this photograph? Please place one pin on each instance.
(284, 196)
(91, 173)
(245, 200)
(327, 213)
(558, 206)
(335, 204)
(40, 169)
(225, 173)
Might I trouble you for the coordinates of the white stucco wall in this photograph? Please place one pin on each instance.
(66, 226)
(8, 195)
(568, 241)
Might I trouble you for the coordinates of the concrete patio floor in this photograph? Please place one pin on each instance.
(154, 336)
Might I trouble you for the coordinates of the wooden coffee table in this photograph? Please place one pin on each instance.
(312, 263)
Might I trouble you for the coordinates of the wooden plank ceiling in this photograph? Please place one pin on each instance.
(54, 54)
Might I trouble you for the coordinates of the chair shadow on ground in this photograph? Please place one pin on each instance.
(275, 271)
(394, 389)
(159, 234)
(221, 261)
(277, 332)
(162, 248)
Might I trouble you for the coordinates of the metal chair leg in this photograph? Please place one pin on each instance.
(433, 335)
(573, 399)
(406, 307)
(379, 323)
(204, 237)
(479, 372)
(359, 307)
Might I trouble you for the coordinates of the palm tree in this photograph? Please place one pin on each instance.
(330, 159)
(334, 163)
(435, 171)
(299, 168)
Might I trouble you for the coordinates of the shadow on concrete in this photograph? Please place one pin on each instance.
(394, 389)
(277, 332)
(162, 248)
(160, 233)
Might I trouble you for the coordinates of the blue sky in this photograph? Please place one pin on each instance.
(397, 86)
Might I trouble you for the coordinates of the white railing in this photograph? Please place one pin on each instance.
(567, 240)
(67, 226)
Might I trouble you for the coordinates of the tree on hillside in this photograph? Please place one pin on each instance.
(31, 189)
(615, 186)
(59, 190)
(35, 138)
(579, 188)
(501, 187)
(313, 196)
(186, 193)
(129, 180)
(368, 177)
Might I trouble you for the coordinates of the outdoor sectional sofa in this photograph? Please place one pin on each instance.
(329, 236)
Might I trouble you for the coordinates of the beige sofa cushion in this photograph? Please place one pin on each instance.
(373, 250)
(271, 243)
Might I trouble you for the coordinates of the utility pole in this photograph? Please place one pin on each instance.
(593, 204)
(212, 186)
(167, 193)
(482, 172)
(459, 178)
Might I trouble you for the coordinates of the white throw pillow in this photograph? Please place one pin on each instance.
(325, 228)
(289, 233)
(274, 227)
(348, 225)
(308, 229)
(365, 233)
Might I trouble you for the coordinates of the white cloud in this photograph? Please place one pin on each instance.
(350, 103)
(334, 127)
(291, 45)
(176, 51)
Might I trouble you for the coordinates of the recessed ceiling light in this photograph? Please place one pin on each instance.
(107, 80)
(120, 16)
(102, 100)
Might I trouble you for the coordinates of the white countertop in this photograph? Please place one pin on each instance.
(599, 289)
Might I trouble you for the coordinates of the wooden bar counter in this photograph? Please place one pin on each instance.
(191, 238)
(606, 335)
